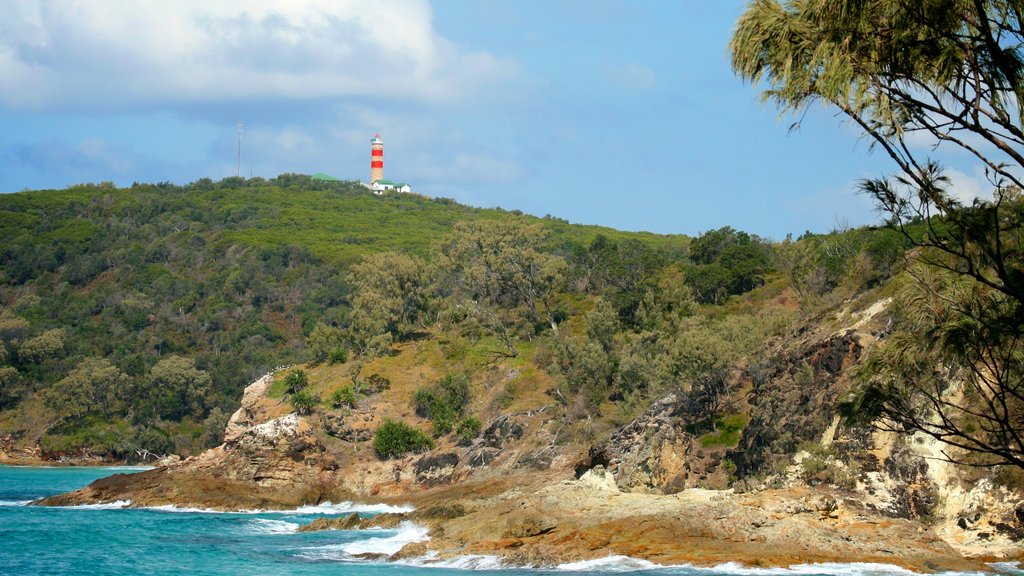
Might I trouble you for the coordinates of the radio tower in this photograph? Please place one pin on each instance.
(241, 129)
(376, 159)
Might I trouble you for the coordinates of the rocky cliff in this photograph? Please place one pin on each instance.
(780, 481)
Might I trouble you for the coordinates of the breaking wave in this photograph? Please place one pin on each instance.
(268, 526)
(406, 533)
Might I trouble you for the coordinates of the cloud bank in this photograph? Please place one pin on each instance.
(83, 55)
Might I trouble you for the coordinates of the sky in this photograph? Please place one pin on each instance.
(612, 112)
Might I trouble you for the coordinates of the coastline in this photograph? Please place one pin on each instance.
(549, 519)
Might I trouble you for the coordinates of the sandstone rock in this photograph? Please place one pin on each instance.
(436, 468)
(501, 430)
(441, 512)
(654, 453)
(244, 417)
(350, 522)
(530, 526)
(170, 460)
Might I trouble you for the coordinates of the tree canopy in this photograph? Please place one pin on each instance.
(948, 73)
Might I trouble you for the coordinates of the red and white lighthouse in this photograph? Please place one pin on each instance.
(376, 159)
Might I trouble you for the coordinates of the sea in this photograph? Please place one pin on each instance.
(118, 540)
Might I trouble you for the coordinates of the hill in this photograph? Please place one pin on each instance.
(221, 281)
(460, 358)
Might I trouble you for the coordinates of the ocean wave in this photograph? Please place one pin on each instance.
(468, 562)
(406, 533)
(115, 505)
(325, 508)
(619, 563)
(613, 563)
(15, 502)
(268, 526)
(349, 507)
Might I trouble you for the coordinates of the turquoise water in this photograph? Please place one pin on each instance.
(113, 540)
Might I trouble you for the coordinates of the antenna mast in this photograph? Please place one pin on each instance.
(241, 130)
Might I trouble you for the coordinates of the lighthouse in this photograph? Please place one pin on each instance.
(376, 159)
(377, 182)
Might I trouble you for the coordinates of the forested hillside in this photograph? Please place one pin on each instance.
(134, 315)
(132, 318)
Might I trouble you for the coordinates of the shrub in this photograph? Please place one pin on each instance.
(394, 439)
(443, 402)
(468, 428)
(304, 401)
(338, 356)
(376, 383)
(296, 381)
(344, 396)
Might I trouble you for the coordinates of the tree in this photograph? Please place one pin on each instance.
(11, 388)
(177, 387)
(46, 345)
(501, 263)
(94, 386)
(326, 343)
(951, 71)
(393, 293)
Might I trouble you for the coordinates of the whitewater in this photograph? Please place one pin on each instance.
(117, 539)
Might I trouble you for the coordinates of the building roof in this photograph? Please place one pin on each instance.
(322, 176)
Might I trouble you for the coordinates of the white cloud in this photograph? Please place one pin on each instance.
(84, 54)
(965, 187)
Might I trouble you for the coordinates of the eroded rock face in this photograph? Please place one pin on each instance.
(339, 427)
(436, 468)
(501, 431)
(654, 453)
(248, 413)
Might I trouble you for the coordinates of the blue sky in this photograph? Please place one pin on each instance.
(612, 112)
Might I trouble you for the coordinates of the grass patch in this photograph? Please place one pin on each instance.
(726, 432)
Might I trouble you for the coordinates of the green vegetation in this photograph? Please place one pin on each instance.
(443, 402)
(394, 439)
(191, 307)
(727, 430)
(468, 428)
(304, 401)
(948, 73)
(344, 397)
(295, 382)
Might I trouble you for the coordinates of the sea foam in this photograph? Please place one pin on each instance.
(406, 533)
(115, 505)
(349, 507)
(613, 563)
(268, 526)
(325, 508)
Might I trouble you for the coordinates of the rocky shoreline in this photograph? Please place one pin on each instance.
(548, 519)
(652, 491)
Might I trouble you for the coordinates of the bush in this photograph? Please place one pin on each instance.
(344, 396)
(468, 428)
(443, 402)
(376, 383)
(296, 381)
(394, 439)
(337, 356)
(304, 402)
